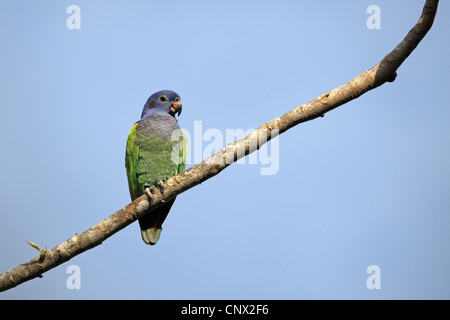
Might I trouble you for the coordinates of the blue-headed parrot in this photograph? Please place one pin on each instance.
(156, 150)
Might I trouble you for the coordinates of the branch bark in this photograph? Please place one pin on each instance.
(384, 71)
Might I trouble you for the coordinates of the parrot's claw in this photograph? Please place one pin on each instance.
(160, 185)
(149, 192)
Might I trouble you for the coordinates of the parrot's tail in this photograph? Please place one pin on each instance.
(151, 236)
(151, 223)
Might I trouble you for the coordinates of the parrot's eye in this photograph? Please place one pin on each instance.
(163, 98)
(177, 99)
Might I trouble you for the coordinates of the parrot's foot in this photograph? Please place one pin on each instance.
(149, 191)
(160, 186)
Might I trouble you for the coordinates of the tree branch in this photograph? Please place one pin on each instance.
(384, 71)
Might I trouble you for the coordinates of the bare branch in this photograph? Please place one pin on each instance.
(384, 71)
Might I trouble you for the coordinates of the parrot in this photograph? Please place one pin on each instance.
(156, 150)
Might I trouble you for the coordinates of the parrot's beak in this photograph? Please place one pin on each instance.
(175, 108)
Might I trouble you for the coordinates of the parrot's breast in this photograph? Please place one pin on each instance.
(154, 138)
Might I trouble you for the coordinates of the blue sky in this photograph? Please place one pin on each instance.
(366, 185)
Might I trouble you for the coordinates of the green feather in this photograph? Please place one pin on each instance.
(150, 158)
(182, 147)
(131, 156)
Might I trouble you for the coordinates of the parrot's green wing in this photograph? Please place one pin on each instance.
(183, 152)
(131, 156)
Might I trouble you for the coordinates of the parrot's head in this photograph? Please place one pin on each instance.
(165, 101)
